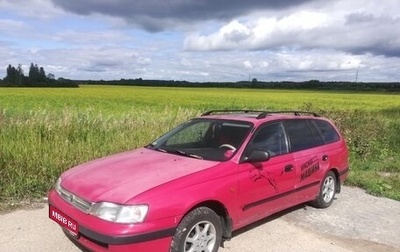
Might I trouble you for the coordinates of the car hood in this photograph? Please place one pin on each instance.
(120, 177)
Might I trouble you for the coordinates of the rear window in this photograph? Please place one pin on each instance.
(328, 133)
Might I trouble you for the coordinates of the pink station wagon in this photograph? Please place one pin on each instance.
(195, 185)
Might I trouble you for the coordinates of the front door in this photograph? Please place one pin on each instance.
(266, 187)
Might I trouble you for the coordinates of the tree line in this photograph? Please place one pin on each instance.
(36, 78)
(254, 83)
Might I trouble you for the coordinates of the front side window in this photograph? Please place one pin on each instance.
(270, 138)
(209, 139)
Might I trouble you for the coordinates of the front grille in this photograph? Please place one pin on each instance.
(79, 203)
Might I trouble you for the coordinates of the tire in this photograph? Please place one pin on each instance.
(327, 191)
(199, 231)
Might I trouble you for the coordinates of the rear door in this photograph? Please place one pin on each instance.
(310, 158)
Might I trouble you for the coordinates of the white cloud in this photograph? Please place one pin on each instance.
(247, 64)
(260, 33)
(38, 9)
(303, 20)
(353, 30)
(9, 25)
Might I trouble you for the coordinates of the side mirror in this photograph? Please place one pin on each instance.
(258, 156)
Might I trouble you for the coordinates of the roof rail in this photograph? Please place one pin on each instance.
(294, 112)
(262, 113)
(231, 111)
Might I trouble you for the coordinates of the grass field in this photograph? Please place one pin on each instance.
(46, 131)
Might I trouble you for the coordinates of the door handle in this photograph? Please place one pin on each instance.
(288, 168)
(325, 158)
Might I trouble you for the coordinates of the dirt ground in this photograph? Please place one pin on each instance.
(356, 222)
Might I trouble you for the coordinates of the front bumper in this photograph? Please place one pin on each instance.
(86, 243)
(99, 235)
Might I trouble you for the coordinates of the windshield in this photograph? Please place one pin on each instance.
(208, 139)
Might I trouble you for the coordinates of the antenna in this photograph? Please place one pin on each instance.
(357, 73)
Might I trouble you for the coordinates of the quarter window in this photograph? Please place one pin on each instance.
(327, 131)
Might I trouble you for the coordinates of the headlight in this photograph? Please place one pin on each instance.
(119, 213)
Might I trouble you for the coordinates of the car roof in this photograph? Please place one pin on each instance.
(257, 115)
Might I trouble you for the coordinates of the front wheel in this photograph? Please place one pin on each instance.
(327, 191)
(199, 231)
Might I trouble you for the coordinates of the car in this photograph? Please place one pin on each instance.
(192, 187)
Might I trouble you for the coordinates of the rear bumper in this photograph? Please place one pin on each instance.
(343, 174)
(342, 177)
(99, 235)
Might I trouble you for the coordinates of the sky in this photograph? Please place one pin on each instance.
(204, 40)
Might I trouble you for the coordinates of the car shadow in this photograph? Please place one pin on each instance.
(268, 219)
(272, 217)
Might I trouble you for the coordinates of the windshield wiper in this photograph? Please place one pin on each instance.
(187, 154)
(153, 147)
(180, 152)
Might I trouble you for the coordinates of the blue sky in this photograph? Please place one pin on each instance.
(208, 40)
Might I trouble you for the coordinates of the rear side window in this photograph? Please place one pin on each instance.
(300, 135)
(328, 133)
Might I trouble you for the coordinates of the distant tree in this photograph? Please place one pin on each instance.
(20, 70)
(32, 75)
(11, 76)
(33, 72)
(254, 83)
(10, 71)
(42, 75)
(20, 75)
(15, 76)
(36, 78)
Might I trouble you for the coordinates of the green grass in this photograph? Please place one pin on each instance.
(45, 131)
(111, 99)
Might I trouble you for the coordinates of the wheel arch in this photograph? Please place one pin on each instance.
(222, 212)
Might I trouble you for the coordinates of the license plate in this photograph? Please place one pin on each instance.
(63, 220)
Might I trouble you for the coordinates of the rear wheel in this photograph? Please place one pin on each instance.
(199, 231)
(327, 191)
